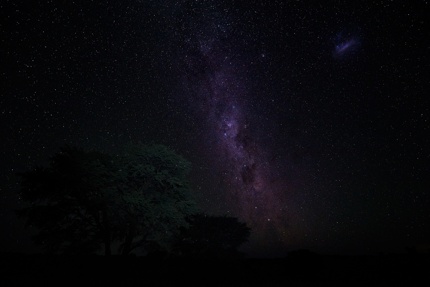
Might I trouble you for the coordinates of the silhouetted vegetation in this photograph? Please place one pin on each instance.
(210, 236)
(87, 199)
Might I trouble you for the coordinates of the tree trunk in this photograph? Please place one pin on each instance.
(106, 234)
(108, 250)
(128, 243)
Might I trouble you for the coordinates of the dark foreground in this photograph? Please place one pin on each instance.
(298, 270)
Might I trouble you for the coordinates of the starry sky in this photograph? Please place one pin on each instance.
(308, 121)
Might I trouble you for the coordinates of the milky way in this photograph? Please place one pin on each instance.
(216, 87)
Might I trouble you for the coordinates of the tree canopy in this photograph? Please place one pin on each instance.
(85, 200)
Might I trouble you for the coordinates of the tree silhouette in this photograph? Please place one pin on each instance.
(156, 197)
(86, 199)
(212, 236)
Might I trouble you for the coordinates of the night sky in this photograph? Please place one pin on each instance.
(309, 122)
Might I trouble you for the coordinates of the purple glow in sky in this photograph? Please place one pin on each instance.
(345, 45)
(217, 89)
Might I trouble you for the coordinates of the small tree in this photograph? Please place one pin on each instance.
(83, 200)
(212, 236)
